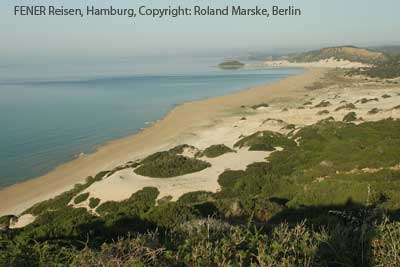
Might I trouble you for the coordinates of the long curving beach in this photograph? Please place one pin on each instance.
(180, 124)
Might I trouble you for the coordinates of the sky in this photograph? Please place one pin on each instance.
(323, 23)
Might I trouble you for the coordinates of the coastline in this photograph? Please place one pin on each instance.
(180, 122)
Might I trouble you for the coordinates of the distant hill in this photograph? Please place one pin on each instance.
(392, 50)
(350, 53)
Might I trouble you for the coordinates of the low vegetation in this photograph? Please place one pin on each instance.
(61, 201)
(261, 105)
(385, 70)
(169, 164)
(265, 141)
(94, 202)
(80, 198)
(323, 104)
(346, 106)
(215, 151)
(374, 111)
(349, 117)
(366, 100)
(323, 112)
(330, 200)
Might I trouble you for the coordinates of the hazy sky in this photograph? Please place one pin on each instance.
(334, 22)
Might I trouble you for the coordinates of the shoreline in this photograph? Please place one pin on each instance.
(172, 129)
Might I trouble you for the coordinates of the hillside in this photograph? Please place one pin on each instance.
(349, 53)
(392, 50)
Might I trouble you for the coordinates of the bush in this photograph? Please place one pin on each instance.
(323, 104)
(323, 112)
(131, 251)
(374, 111)
(346, 106)
(80, 198)
(265, 140)
(349, 117)
(196, 197)
(5, 221)
(137, 204)
(262, 105)
(179, 149)
(366, 100)
(229, 177)
(171, 215)
(93, 202)
(215, 151)
(164, 165)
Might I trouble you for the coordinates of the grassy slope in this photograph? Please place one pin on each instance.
(349, 53)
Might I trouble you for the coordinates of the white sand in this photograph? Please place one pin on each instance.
(22, 221)
(122, 184)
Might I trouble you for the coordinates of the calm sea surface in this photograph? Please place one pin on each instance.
(49, 114)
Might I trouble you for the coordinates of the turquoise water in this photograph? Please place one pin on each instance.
(49, 115)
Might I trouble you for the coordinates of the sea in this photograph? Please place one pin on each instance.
(52, 112)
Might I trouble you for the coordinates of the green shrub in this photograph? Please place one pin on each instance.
(164, 165)
(196, 197)
(349, 117)
(179, 149)
(137, 204)
(229, 177)
(262, 105)
(374, 111)
(80, 198)
(93, 202)
(323, 104)
(265, 140)
(164, 200)
(323, 112)
(171, 214)
(5, 221)
(131, 251)
(215, 151)
(346, 106)
(366, 100)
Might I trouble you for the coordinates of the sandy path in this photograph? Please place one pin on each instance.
(180, 123)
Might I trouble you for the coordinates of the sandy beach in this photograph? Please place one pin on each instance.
(174, 129)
